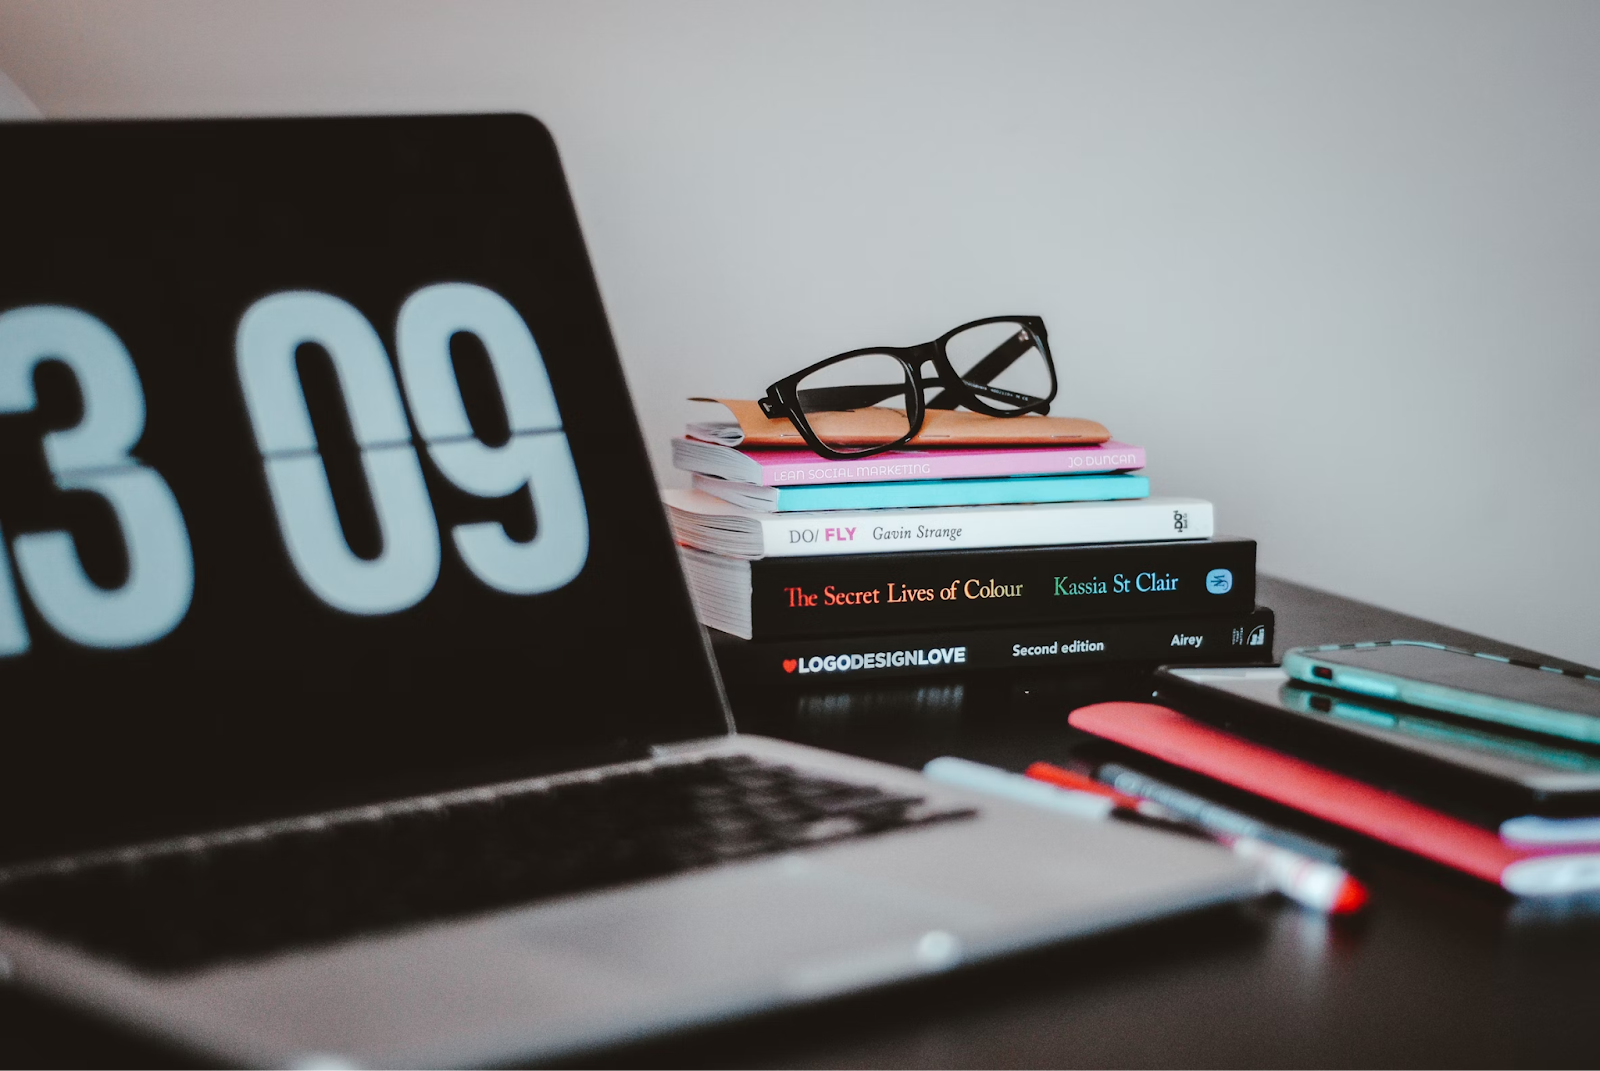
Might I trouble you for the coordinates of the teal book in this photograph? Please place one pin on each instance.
(1011, 490)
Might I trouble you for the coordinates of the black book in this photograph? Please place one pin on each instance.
(841, 595)
(1245, 638)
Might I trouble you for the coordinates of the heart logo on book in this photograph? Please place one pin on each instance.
(791, 664)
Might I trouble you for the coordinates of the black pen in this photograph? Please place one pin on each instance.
(1210, 816)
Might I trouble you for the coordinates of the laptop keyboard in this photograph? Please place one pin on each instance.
(251, 892)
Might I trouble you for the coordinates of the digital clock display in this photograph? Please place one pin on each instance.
(319, 480)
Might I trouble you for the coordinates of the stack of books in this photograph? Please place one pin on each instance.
(951, 559)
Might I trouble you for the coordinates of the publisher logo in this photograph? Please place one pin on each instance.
(1257, 637)
(1219, 581)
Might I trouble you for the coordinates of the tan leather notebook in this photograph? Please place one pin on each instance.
(869, 427)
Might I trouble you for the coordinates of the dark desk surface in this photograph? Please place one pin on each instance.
(1440, 971)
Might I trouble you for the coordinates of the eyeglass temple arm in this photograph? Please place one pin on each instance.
(999, 359)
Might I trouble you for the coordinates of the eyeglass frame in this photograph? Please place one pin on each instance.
(783, 397)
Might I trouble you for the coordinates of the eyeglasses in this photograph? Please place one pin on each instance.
(1000, 366)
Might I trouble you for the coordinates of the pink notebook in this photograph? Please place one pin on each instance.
(787, 468)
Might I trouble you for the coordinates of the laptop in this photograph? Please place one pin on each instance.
(355, 710)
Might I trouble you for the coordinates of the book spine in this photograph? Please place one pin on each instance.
(793, 597)
(1233, 638)
(974, 527)
(936, 493)
(953, 465)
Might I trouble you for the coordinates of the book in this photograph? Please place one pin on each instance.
(708, 523)
(786, 468)
(1244, 638)
(786, 598)
(877, 424)
(1008, 490)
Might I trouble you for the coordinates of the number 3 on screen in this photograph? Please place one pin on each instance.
(536, 458)
(93, 456)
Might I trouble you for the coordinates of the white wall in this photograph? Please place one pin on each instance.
(1337, 265)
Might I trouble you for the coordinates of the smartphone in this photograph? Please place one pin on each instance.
(1540, 699)
(1483, 772)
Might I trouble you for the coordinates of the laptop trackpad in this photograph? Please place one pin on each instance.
(792, 922)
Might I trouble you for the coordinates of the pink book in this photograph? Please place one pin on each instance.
(788, 468)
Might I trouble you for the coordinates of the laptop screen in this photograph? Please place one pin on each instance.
(319, 480)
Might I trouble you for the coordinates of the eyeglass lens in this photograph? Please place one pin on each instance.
(875, 382)
(1001, 362)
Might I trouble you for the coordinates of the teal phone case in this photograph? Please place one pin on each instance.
(1302, 662)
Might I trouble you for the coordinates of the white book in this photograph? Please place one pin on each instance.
(720, 590)
(707, 523)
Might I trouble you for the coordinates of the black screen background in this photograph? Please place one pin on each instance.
(264, 700)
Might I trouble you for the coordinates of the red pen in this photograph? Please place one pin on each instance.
(1055, 775)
